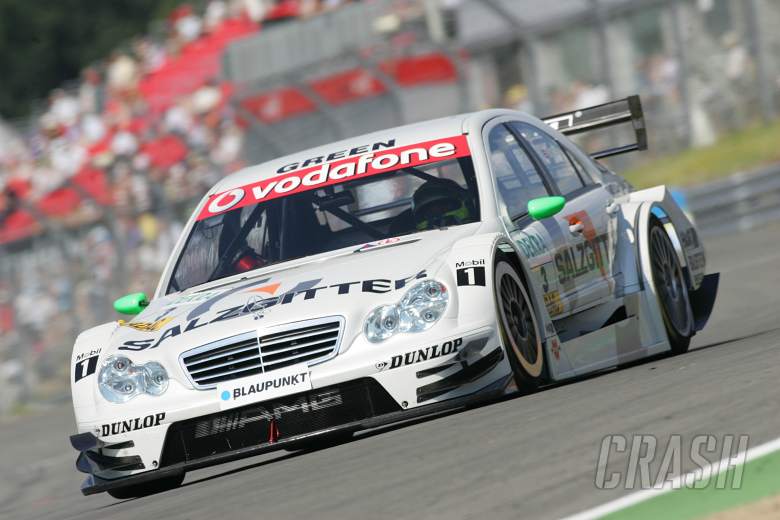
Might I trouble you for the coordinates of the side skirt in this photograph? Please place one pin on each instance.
(618, 342)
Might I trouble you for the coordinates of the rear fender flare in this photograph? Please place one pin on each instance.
(702, 288)
(634, 262)
(639, 211)
(658, 202)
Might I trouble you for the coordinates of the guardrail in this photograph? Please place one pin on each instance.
(737, 203)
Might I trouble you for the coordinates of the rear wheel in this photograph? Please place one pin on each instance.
(671, 289)
(518, 327)
(147, 488)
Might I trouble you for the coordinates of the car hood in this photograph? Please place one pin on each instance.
(346, 283)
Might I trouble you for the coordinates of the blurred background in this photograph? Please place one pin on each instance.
(116, 117)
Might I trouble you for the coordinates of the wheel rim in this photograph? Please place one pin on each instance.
(519, 322)
(669, 281)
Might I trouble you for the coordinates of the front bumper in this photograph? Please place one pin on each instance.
(351, 401)
(179, 460)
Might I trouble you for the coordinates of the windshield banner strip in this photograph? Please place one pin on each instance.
(336, 172)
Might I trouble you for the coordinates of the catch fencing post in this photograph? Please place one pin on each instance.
(679, 13)
(528, 56)
(758, 43)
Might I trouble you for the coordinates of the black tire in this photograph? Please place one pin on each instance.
(671, 289)
(147, 488)
(518, 327)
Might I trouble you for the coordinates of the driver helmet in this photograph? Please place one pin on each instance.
(439, 203)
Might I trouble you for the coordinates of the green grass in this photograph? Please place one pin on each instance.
(744, 150)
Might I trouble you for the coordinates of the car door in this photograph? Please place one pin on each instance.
(518, 179)
(588, 221)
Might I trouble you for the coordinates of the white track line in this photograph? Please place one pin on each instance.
(678, 482)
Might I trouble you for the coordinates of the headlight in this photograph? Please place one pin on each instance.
(422, 306)
(120, 380)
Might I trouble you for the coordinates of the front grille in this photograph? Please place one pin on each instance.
(231, 358)
(292, 415)
(247, 354)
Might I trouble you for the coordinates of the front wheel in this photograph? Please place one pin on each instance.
(147, 488)
(518, 327)
(671, 289)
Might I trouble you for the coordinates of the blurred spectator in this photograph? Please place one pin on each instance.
(186, 24)
(124, 143)
(63, 108)
(516, 98)
(122, 74)
(206, 98)
(588, 95)
(90, 91)
(93, 129)
(178, 118)
(229, 145)
(737, 59)
(150, 55)
(255, 10)
(215, 14)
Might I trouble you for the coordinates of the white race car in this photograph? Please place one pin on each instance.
(392, 275)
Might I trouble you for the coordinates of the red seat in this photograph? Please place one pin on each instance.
(94, 182)
(6, 318)
(20, 187)
(416, 70)
(59, 203)
(277, 105)
(348, 86)
(165, 151)
(284, 9)
(198, 62)
(18, 225)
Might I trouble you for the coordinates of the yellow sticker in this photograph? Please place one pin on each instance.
(152, 326)
(552, 301)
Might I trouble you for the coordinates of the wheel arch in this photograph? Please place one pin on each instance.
(505, 249)
(476, 304)
(486, 248)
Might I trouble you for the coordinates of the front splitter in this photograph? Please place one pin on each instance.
(93, 485)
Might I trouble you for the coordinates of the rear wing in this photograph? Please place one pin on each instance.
(628, 110)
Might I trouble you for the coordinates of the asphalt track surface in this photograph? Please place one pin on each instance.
(528, 457)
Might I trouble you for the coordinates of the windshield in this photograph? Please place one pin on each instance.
(402, 201)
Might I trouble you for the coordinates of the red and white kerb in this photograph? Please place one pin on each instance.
(335, 172)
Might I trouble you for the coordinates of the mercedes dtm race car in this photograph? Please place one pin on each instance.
(391, 275)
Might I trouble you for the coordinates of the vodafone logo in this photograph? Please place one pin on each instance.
(225, 201)
(326, 174)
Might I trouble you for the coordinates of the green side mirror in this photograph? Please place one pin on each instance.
(544, 207)
(131, 303)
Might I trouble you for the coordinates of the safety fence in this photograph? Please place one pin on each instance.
(739, 202)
